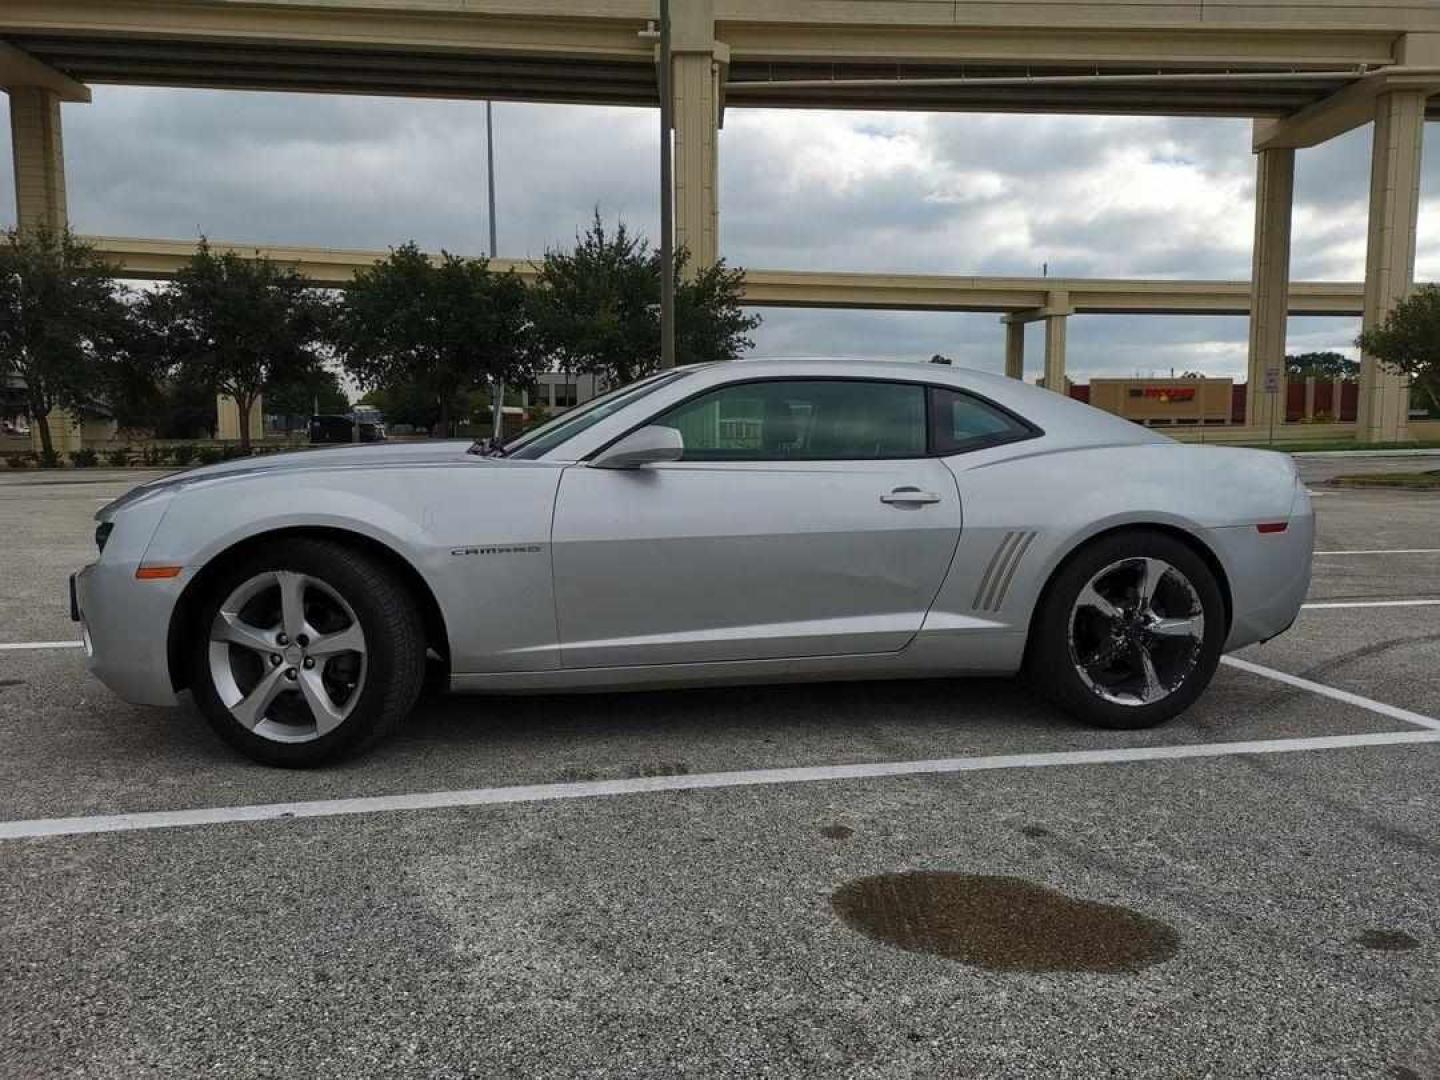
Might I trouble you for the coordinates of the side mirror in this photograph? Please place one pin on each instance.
(644, 447)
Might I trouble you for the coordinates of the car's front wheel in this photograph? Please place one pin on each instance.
(1130, 631)
(305, 651)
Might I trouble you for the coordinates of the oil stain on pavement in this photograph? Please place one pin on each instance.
(1002, 923)
(1388, 940)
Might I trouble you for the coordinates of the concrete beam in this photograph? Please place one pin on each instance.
(598, 29)
(1342, 111)
(19, 68)
(1025, 299)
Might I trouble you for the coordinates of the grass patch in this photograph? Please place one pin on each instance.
(1412, 481)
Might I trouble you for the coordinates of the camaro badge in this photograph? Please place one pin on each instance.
(518, 549)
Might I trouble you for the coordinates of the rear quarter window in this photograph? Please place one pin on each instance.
(960, 422)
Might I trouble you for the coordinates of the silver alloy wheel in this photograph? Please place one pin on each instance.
(287, 656)
(1136, 631)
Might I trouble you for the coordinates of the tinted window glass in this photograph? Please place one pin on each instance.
(544, 438)
(960, 422)
(803, 420)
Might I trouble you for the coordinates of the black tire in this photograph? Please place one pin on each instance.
(1051, 665)
(394, 639)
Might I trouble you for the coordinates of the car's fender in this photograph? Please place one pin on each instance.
(478, 537)
(1027, 508)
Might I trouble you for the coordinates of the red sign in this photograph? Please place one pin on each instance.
(1165, 394)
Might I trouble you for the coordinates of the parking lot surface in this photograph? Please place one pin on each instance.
(641, 884)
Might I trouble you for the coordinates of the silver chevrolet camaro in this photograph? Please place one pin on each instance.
(746, 522)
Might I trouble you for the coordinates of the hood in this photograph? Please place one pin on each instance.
(374, 456)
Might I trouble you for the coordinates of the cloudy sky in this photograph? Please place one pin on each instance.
(936, 193)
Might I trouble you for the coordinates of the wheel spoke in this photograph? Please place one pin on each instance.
(1153, 570)
(230, 628)
(1153, 689)
(327, 716)
(292, 603)
(348, 640)
(1102, 657)
(250, 710)
(1090, 598)
(1191, 626)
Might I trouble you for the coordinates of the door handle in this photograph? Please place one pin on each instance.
(909, 496)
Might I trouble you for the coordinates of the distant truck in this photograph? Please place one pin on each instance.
(341, 428)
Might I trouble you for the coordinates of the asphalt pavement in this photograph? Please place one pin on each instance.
(694, 930)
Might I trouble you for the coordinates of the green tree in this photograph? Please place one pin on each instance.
(136, 363)
(242, 325)
(1408, 342)
(313, 390)
(444, 328)
(1321, 365)
(596, 309)
(58, 304)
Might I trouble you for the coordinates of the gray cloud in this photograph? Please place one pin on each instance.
(1092, 196)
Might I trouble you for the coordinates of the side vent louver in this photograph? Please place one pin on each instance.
(996, 582)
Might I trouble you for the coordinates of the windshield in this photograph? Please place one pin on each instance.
(544, 438)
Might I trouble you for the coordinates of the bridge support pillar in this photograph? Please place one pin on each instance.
(1390, 260)
(1057, 318)
(1270, 284)
(698, 69)
(1015, 350)
(39, 158)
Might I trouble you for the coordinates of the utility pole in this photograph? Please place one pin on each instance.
(497, 403)
(667, 196)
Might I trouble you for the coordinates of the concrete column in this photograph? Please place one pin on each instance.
(39, 158)
(1270, 283)
(1015, 350)
(697, 93)
(227, 419)
(1390, 261)
(1310, 397)
(1057, 315)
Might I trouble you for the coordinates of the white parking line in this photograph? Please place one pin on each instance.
(1331, 692)
(1333, 604)
(16, 646)
(1379, 551)
(438, 800)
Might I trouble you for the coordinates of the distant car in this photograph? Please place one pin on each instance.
(748, 522)
(341, 429)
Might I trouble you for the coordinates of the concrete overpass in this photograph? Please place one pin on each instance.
(1306, 71)
(1020, 300)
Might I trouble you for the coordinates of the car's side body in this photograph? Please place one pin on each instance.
(555, 574)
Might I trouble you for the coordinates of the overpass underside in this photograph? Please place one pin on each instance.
(1304, 72)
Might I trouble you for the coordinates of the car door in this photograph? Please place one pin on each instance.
(804, 519)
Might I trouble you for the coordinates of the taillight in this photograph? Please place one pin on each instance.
(1272, 527)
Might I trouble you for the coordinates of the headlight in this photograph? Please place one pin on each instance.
(102, 533)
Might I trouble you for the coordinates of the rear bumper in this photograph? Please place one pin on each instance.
(125, 625)
(1269, 575)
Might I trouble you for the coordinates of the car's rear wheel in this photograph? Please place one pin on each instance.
(1130, 631)
(306, 651)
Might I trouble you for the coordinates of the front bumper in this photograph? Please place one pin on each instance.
(125, 625)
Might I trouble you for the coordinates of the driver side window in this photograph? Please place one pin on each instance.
(803, 420)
